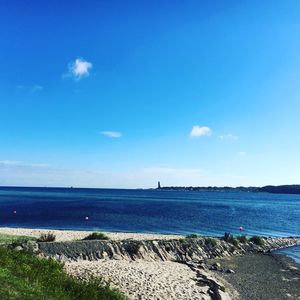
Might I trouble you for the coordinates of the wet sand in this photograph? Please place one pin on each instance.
(262, 276)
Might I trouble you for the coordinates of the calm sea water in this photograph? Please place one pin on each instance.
(158, 211)
(293, 252)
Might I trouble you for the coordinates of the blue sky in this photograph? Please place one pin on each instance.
(126, 93)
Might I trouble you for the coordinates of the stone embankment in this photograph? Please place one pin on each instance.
(181, 250)
(157, 269)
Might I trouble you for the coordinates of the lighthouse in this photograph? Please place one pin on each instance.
(158, 185)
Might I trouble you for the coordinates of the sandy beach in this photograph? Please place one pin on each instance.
(72, 235)
(254, 276)
(144, 280)
(137, 279)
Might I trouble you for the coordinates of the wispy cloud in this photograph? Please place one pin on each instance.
(22, 164)
(36, 88)
(227, 137)
(172, 171)
(35, 174)
(10, 162)
(198, 131)
(30, 88)
(242, 153)
(79, 68)
(112, 134)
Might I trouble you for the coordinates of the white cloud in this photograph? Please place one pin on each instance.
(228, 137)
(112, 134)
(198, 131)
(80, 68)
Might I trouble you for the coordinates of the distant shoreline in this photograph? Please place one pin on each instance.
(273, 189)
(279, 189)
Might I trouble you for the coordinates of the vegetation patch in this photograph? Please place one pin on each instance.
(46, 237)
(242, 239)
(257, 240)
(229, 238)
(6, 239)
(210, 242)
(24, 276)
(191, 236)
(96, 236)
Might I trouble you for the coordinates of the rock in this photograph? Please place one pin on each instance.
(181, 250)
(202, 266)
(31, 246)
(230, 271)
(18, 248)
(215, 267)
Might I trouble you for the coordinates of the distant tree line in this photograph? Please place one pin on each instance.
(279, 189)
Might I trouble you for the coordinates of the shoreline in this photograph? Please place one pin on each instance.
(156, 275)
(262, 276)
(63, 235)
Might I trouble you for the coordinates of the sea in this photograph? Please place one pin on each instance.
(208, 213)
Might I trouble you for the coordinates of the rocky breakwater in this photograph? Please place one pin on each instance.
(181, 250)
(159, 269)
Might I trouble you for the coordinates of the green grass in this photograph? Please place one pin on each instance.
(210, 242)
(257, 240)
(191, 236)
(96, 236)
(6, 239)
(24, 276)
(229, 238)
(242, 239)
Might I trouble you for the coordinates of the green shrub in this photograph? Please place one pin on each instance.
(257, 240)
(96, 236)
(210, 242)
(25, 276)
(191, 236)
(46, 237)
(243, 239)
(229, 238)
(226, 236)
